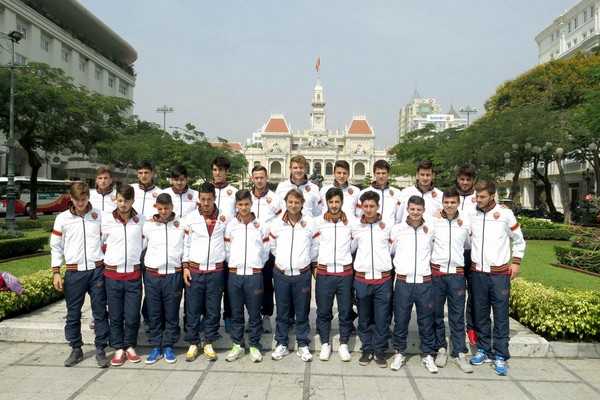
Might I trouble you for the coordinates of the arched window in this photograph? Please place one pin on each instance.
(359, 169)
(329, 168)
(275, 168)
(318, 169)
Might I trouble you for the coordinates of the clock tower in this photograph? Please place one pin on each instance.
(317, 116)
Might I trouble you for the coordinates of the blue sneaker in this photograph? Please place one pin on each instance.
(155, 355)
(170, 356)
(480, 358)
(228, 325)
(500, 366)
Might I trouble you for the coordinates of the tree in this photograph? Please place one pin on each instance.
(51, 112)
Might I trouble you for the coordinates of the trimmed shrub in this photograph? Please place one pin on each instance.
(34, 223)
(10, 234)
(588, 260)
(547, 234)
(556, 315)
(21, 246)
(38, 293)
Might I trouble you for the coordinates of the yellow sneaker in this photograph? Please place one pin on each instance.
(192, 353)
(209, 352)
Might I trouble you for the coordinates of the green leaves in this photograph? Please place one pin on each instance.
(38, 293)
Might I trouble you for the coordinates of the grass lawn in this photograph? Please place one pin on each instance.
(26, 266)
(536, 268)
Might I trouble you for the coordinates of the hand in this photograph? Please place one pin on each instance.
(514, 270)
(187, 277)
(57, 282)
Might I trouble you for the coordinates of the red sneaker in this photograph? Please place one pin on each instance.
(472, 336)
(132, 355)
(118, 359)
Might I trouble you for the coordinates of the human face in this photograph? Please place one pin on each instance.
(450, 205)
(381, 177)
(124, 205)
(219, 174)
(465, 183)
(484, 199)
(103, 181)
(179, 183)
(294, 205)
(341, 176)
(207, 202)
(145, 175)
(298, 171)
(425, 177)
(80, 204)
(259, 179)
(370, 208)
(334, 206)
(244, 207)
(164, 211)
(415, 212)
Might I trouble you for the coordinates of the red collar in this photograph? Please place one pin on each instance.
(87, 209)
(364, 221)
(374, 185)
(107, 191)
(484, 210)
(147, 188)
(260, 195)
(252, 218)
(212, 214)
(157, 218)
(220, 185)
(342, 217)
(116, 215)
(303, 182)
(467, 193)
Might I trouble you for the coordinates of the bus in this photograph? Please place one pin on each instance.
(52, 195)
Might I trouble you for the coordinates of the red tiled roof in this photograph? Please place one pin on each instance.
(277, 125)
(234, 146)
(360, 127)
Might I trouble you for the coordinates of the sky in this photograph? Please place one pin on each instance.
(226, 66)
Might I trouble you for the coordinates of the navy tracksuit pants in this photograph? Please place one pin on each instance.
(204, 295)
(374, 304)
(328, 288)
(451, 287)
(246, 290)
(77, 284)
(421, 295)
(292, 290)
(163, 296)
(268, 305)
(124, 303)
(469, 301)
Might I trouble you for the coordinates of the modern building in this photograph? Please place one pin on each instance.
(415, 111)
(576, 29)
(275, 144)
(64, 34)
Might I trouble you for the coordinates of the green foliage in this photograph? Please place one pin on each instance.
(5, 234)
(27, 266)
(585, 259)
(547, 234)
(45, 224)
(38, 293)
(21, 246)
(557, 315)
(536, 223)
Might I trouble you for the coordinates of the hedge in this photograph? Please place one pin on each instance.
(38, 292)
(21, 246)
(556, 315)
(547, 234)
(35, 223)
(581, 258)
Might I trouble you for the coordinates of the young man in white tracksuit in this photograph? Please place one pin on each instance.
(389, 196)
(185, 199)
(299, 180)
(104, 197)
(146, 190)
(424, 188)
(494, 227)
(341, 173)
(247, 249)
(412, 242)
(163, 282)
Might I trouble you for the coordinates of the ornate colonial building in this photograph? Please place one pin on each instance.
(275, 144)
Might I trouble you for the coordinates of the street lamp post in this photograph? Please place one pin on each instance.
(11, 189)
(164, 110)
(468, 110)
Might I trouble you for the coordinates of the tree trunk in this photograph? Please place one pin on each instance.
(548, 190)
(35, 164)
(564, 193)
(514, 186)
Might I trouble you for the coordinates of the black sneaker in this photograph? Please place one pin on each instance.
(75, 357)
(101, 359)
(380, 360)
(365, 358)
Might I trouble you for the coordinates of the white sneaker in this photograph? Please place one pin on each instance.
(462, 363)
(398, 362)
(304, 354)
(280, 352)
(267, 328)
(325, 352)
(344, 353)
(442, 358)
(429, 363)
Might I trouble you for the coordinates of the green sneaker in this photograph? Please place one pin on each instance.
(236, 352)
(255, 354)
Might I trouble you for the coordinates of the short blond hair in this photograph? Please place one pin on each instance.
(79, 190)
(298, 160)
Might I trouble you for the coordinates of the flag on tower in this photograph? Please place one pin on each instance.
(318, 64)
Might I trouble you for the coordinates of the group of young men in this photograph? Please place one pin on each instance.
(389, 248)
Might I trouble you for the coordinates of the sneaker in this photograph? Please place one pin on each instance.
(480, 358)
(398, 361)
(365, 358)
(344, 353)
(380, 360)
(170, 357)
(304, 353)
(132, 356)
(101, 359)
(209, 352)
(192, 353)
(255, 354)
(267, 327)
(280, 352)
(228, 325)
(472, 336)
(462, 363)
(155, 355)
(118, 359)
(442, 358)
(429, 363)
(500, 366)
(325, 352)
(75, 357)
(236, 352)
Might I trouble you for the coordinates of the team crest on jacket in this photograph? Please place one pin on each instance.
(350, 191)
(113, 198)
(190, 196)
(345, 222)
(308, 188)
(136, 219)
(269, 200)
(473, 200)
(459, 222)
(425, 229)
(94, 215)
(303, 224)
(391, 193)
(496, 215)
(155, 194)
(176, 224)
(256, 225)
(229, 191)
(222, 218)
(434, 195)
(382, 225)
